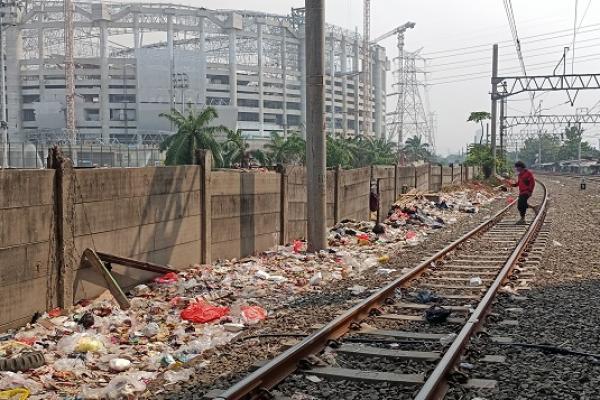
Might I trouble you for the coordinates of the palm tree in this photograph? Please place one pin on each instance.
(235, 148)
(416, 150)
(276, 148)
(340, 152)
(479, 117)
(370, 151)
(193, 133)
(290, 150)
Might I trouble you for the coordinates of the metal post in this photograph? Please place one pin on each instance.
(3, 123)
(494, 104)
(579, 150)
(315, 138)
(502, 111)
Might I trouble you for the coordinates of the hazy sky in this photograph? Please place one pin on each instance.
(445, 27)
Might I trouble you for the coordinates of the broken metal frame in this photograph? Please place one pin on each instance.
(98, 260)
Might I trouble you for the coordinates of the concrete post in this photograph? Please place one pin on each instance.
(284, 76)
(64, 212)
(3, 122)
(344, 71)
(357, 87)
(233, 68)
(41, 67)
(494, 104)
(332, 81)
(337, 202)
(104, 83)
(202, 50)
(283, 216)
(204, 159)
(261, 90)
(315, 139)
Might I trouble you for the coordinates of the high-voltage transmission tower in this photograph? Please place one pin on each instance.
(410, 117)
(367, 67)
(70, 69)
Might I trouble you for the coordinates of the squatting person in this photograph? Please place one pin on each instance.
(526, 184)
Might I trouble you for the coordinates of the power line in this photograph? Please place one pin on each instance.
(485, 46)
(574, 37)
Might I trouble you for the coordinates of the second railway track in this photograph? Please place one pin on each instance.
(400, 339)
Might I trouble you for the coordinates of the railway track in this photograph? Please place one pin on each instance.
(407, 337)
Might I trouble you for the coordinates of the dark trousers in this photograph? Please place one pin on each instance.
(522, 204)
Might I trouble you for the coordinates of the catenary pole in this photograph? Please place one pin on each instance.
(315, 136)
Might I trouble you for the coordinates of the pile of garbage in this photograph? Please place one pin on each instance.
(99, 351)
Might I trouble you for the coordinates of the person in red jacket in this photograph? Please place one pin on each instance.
(526, 185)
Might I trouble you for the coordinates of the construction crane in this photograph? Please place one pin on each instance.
(367, 66)
(398, 31)
(70, 69)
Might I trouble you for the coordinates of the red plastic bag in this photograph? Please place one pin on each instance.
(411, 235)
(298, 246)
(56, 312)
(510, 200)
(203, 312)
(170, 277)
(253, 314)
(363, 236)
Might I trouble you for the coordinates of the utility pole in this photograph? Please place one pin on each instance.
(494, 104)
(502, 127)
(367, 67)
(315, 137)
(579, 150)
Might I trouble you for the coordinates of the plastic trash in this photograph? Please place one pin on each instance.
(385, 271)
(357, 290)
(475, 281)
(316, 279)
(14, 394)
(260, 274)
(86, 320)
(81, 343)
(178, 376)
(55, 312)
(384, 259)
(119, 364)
(448, 339)
(298, 246)
(437, 314)
(13, 380)
(140, 290)
(426, 296)
(168, 278)
(466, 365)
(75, 365)
(203, 312)
(556, 243)
(253, 314)
(122, 386)
(151, 330)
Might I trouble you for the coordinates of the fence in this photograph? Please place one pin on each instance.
(167, 215)
(32, 155)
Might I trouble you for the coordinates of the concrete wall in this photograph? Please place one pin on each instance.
(354, 193)
(446, 176)
(27, 268)
(148, 214)
(406, 178)
(246, 212)
(456, 174)
(423, 178)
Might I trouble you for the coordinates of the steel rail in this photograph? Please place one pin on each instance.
(254, 385)
(436, 385)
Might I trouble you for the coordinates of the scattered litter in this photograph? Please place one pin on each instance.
(557, 244)
(357, 289)
(14, 394)
(119, 364)
(465, 365)
(426, 296)
(253, 314)
(385, 271)
(316, 279)
(202, 312)
(178, 376)
(448, 339)
(475, 281)
(314, 379)
(437, 314)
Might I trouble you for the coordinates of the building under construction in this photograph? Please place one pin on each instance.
(135, 61)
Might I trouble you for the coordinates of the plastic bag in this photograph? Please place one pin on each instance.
(120, 387)
(12, 380)
(316, 279)
(74, 365)
(167, 278)
(298, 246)
(203, 312)
(178, 376)
(476, 281)
(81, 343)
(253, 314)
(14, 394)
(119, 364)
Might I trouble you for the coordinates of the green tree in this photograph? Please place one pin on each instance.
(290, 150)
(193, 132)
(416, 150)
(478, 117)
(550, 147)
(570, 148)
(235, 148)
(481, 155)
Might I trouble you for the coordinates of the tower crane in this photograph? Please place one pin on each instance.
(397, 31)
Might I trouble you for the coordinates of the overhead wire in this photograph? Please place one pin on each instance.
(574, 37)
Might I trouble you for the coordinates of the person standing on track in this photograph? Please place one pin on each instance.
(526, 184)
